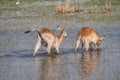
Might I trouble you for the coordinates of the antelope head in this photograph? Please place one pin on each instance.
(63, 31)
(100, 40)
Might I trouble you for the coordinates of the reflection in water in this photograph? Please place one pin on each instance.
(38, 65)
(50, 68)
(87, 62)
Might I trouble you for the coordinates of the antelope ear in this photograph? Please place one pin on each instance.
(59, 28)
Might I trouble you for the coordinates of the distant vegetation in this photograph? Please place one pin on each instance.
(67, 9)
(102, 10)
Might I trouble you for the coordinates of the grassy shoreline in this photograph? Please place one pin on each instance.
(48, 12)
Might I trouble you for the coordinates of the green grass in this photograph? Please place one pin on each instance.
(49, 13)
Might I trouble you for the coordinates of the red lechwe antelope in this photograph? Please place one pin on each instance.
(48, 39)
(88, 36)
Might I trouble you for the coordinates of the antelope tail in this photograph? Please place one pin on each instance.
(34, 30)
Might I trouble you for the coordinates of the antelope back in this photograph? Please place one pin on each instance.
(47, 35)
(86, 31)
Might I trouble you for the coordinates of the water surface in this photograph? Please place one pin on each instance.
(16, 48)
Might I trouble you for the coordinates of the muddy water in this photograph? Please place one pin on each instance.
(16, 48)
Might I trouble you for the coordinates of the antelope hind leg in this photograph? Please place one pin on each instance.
(38, 44)
(77, 44)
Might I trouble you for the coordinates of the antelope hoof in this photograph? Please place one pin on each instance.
(48, 54)
(75, 50)
(34, 55)
(57, 53)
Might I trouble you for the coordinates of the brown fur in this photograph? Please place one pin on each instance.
(87, 36)
(48, 39)
(86, 31)
(44, 30)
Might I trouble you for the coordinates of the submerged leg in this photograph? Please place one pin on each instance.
(96, 47)
(49, 49)
(57, 50)
(77, 44)
(82, 44)
(38, 44)
(87, 45)
(90, 44)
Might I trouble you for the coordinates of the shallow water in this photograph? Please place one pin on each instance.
(16, 48)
